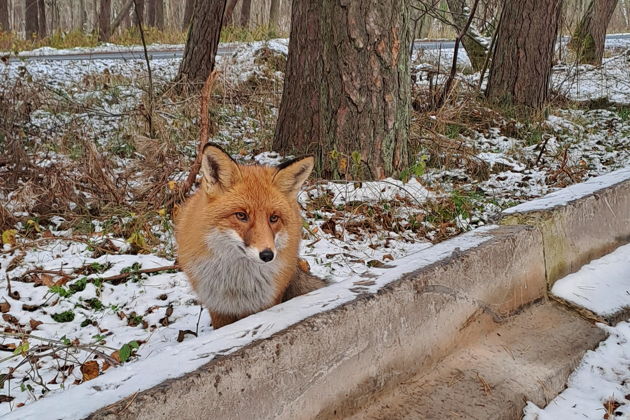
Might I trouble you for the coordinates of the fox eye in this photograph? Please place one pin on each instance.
(242, 216)
(273, 218)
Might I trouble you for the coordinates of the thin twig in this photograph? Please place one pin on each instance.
(203, 139)
(146, 57)
(449, 82)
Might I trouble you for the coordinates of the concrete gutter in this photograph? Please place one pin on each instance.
(356, 345)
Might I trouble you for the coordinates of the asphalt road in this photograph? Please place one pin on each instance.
(177, 53)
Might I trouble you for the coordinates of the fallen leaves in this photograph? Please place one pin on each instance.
(5, 307)
(90, 370)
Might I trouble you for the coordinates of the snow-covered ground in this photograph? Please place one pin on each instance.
(79, 300)
(600, 386)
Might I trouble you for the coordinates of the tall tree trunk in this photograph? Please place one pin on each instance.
(104, 20)
(246, 11)
(159, 14)
(523, 57)
(151, 9)
(4, 16)
(274, 14)
(590, 34)
(202, 43)
(188, 11)
(136, 19)
(347, 87)
(229, 13)
(41, 18)
(473, 44)
(31, 23)
(122, 15)
(82, 15)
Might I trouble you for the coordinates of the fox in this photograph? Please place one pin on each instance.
(239, 234)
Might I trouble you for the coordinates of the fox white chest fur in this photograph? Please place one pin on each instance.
(232, 282)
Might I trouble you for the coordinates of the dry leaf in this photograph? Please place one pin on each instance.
(34, 324)
(116, 356)
(89, 370)
(5, 307)
(10, 319)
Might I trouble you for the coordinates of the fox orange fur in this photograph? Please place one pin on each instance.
(239, 236)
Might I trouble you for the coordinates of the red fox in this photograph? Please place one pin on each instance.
(239, 236)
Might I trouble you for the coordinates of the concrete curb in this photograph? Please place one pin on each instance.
(579, 223)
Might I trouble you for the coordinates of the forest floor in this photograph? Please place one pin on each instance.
(88, 161)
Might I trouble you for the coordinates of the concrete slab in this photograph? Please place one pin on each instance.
(578, 223)
(362, 347)
(527, 358)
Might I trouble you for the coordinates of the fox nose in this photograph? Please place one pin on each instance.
(266, 255)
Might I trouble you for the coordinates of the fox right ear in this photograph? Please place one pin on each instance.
(219, 170)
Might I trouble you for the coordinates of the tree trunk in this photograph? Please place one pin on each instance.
(590, 34)
(122, 15)
(139, 17)
(30, 18)
(473, 44)
(82, 15)
(4, 16)
(41, 18)
(246, 11)
(151, 9)
(346, 98)
(159, 14)
(190, 4)
(274, 14)
(229, 13)
(104, 20)
(202, 43)
(523, 57)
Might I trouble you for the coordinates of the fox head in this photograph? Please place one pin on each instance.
(254, 208)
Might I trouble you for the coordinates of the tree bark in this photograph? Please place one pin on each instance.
(138, 19)
(246, 11)
(346, 98)
(122, 15)
(229, 13)
(159, 14)
(31, 19)
(523, 57)
(151, 9)
(202, 43)
(590, 34)
(274, 14)
(4, 16)
(188, 11)
(475, 48)
(104, 20)
(82, 15)
(41, 18)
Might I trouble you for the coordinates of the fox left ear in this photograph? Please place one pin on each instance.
(292, 174)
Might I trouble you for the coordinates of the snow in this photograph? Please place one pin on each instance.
(602, 286)
(573, 192)
(172, 361)
(602, 377)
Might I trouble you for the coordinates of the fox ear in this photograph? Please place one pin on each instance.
(219, 170)
(292, 174)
